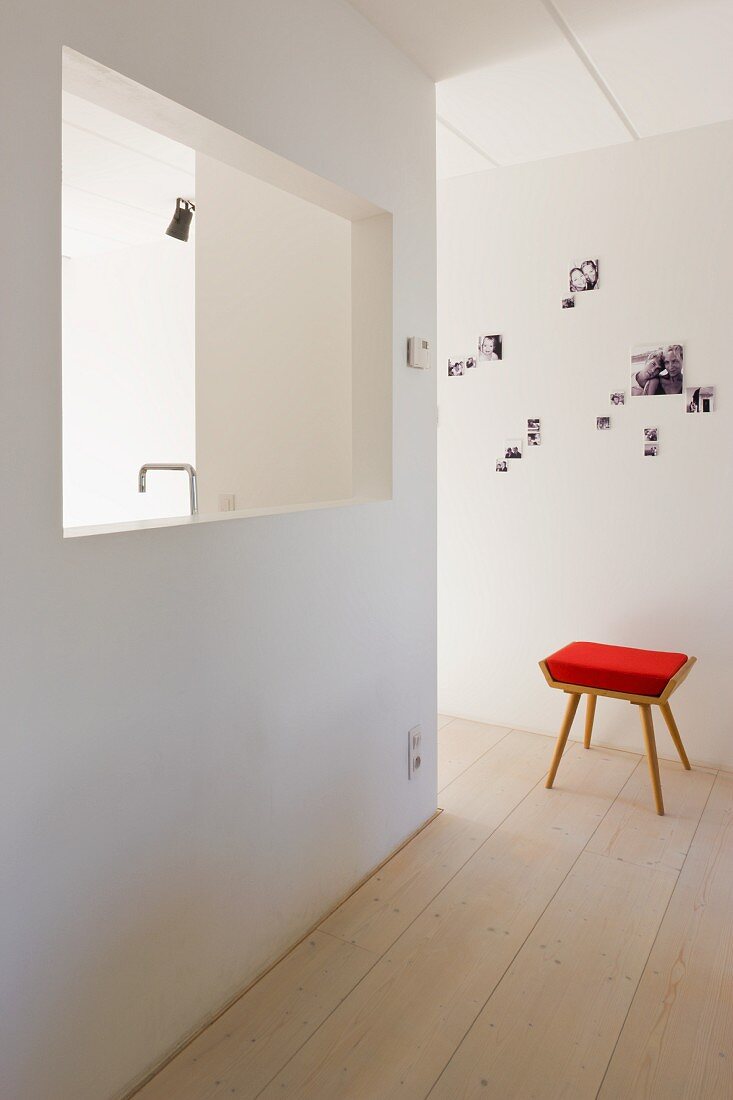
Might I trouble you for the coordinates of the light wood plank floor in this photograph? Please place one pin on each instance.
(526, 944)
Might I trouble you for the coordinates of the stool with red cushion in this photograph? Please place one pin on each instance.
(644, 677)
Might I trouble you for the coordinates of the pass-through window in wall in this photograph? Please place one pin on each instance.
(256, 355)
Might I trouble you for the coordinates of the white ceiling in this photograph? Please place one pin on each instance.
(527, 79)
(120, 180)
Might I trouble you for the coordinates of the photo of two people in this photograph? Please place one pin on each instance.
(583, 276)
(657, 370)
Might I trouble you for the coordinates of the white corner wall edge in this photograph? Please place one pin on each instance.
(585, 537)
(204, 734)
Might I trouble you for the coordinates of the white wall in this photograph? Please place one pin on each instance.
(372, 285)
(203, 727)
(129, 382)
(585, 538)
(273, 343)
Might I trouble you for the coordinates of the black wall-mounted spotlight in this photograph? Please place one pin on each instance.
(181, 223)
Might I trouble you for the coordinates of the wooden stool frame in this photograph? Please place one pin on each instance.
(643, 702)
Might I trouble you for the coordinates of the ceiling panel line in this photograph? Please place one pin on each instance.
(109, 198)
(586, 61)
(95, 233)
(127, 148)
(472, 144)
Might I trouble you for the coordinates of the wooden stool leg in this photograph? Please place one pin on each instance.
(647, 725)
(570, 709)
(590, 710)
(672, 727)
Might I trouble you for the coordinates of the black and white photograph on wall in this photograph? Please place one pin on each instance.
(657, 370)
(603, 423)
(489, 348)
(456, 367)
(651, 450)
(501, 466)
(569, 303)
(583, 276)
(651, 435)
(533, 424)
(618, 398)
(470, 362)
(513, 448)
(700, 399)
(533, 439)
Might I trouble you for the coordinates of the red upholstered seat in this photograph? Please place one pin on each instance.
(615, 667)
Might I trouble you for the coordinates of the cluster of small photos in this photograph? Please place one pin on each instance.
(651, 435)
(657, 370)
(489, 350)
(513, 447)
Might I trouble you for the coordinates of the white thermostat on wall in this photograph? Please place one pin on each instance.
(418, 353)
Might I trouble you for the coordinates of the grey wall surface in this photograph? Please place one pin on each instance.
(203, 728)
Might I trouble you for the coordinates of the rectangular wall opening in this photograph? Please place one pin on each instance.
(251, 362)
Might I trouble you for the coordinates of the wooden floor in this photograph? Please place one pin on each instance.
(526, 944)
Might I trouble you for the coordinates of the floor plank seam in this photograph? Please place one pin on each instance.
(531, 930)
(635, 863)
(653, 943)
(469, 766)
(347, 943)
(335, 1008)
(405, 930)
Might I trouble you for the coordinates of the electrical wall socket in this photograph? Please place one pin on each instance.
(414, 751)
